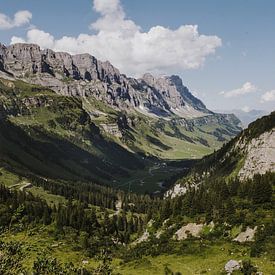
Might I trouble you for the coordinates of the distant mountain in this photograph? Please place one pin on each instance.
(245, 117)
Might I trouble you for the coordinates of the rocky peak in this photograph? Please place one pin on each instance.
(84, 75)
(178, 97)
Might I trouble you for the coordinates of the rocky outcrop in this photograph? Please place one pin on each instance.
(247, 235)
(177, 190)
(111, 129)
(84, 75)
(192, 229)
(232, 266)
(259, 155)
(176, 95)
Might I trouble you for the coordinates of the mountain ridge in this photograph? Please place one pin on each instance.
(84, 75)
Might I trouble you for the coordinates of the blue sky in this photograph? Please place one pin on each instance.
(232, 54)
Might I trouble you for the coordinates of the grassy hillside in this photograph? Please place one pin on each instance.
(165, 139)
(52, 136)
(61, 137)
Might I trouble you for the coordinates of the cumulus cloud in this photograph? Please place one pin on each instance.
(247, 88)
(268, 96)
(20, 18)
(133, 51)
(45, 39)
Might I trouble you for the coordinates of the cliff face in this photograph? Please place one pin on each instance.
(84, 75)
(259, 155)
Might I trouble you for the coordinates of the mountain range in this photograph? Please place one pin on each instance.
(83, 117)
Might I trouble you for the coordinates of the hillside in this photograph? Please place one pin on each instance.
(77, 118)
(217, 222)
(86, 154)
(152, 115)
(250, 153)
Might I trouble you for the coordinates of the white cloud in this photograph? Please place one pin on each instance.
(247, 88)
(125, 45)
(268, 96)
(20, 18)
(245, 109)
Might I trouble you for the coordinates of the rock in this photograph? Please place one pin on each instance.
(84, 75)
(247, 235)
(177, 190)
(85, 262)
(231, 266)
(260, 155)
(112, 129)
(144, 237)
(192, 229)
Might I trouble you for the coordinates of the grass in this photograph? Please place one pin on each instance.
(7, 178)
(149, 179)
(38, 241)
(50, 198)
(211, 262)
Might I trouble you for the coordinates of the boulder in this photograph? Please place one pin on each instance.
(247, 235)
(231, 266)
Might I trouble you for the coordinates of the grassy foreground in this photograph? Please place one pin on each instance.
(210, 260)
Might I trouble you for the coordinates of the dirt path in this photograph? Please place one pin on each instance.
(23, 185)
(26, 185)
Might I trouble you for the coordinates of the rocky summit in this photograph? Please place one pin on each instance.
(83, 75)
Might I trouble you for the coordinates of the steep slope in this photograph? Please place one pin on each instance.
(251, 153)
(252, 148)
(52, 136)
(84, 75)
(153, 116)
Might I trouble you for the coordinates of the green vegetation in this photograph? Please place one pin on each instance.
(62, 210)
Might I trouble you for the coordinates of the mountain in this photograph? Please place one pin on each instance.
(246, 117)
(75, 133)
(75, 117)
(52, 136)
(84, 75)
(250, 153)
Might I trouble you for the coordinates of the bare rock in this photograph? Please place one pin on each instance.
(192, 229)
(260, 155)
(247, 235)
(232, 266)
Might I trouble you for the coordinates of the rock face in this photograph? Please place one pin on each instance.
(260, 155)
(232, 266)
(84, 75)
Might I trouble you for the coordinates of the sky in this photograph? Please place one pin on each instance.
(223, 50)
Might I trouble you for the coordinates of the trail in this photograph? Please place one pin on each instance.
(27, 185)
(23, 185)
